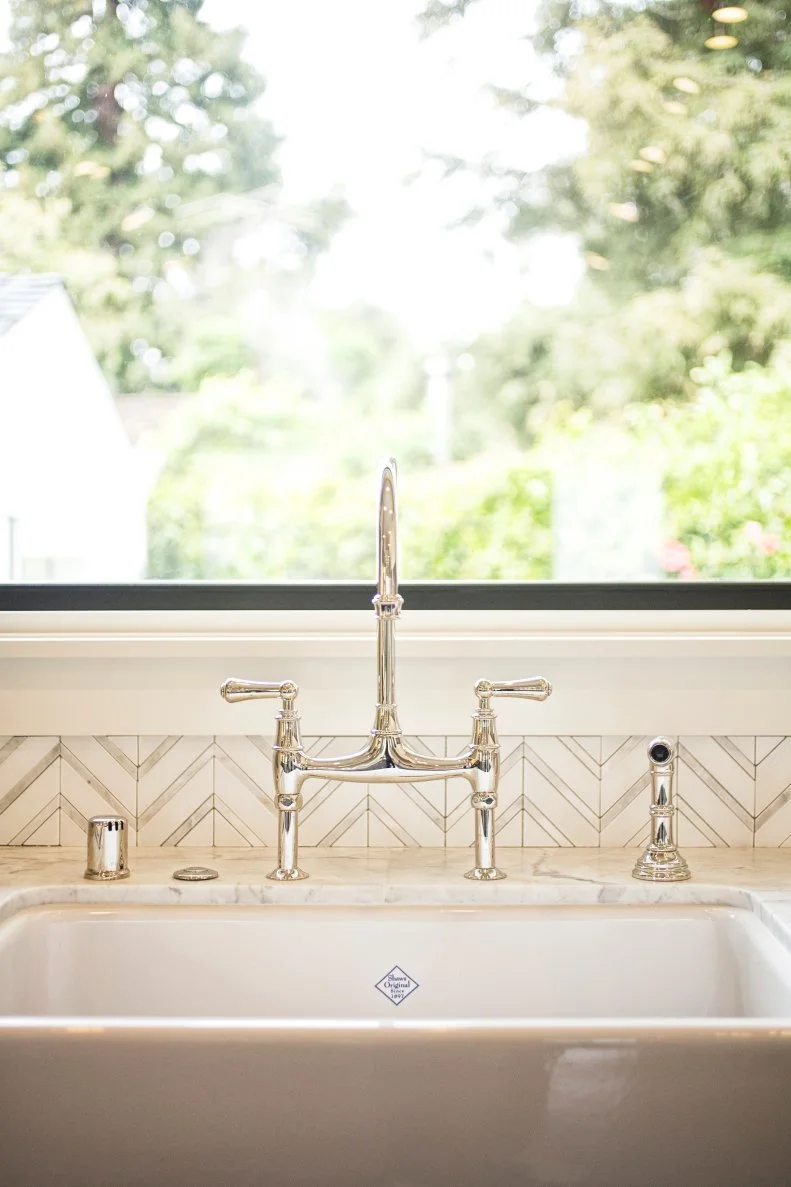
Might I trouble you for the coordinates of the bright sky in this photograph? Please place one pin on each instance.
(359, 99)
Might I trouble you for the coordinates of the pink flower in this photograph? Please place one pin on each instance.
(755, 534)
(688, 573)
(675, 556)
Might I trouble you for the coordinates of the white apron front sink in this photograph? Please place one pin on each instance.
(520, 1046)
(451, 963)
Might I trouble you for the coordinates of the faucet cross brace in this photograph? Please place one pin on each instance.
(386, 758)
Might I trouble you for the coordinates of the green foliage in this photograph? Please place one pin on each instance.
(718, 161)
(110, 126)
(488, 519)
(728, 476)
(249, 492)
(125, 140)
(679, 201)
(476, 521)
(373, 362)
(604, 355)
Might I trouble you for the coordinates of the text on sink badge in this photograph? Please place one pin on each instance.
(397, 985)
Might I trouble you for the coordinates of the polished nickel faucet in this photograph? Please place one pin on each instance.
(661, 861)
(386, 758)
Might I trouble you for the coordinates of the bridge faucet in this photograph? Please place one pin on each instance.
(386, 757)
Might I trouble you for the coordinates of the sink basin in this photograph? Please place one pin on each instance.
(298, 1046)
(393, 964)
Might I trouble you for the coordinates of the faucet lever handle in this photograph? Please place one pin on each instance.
(256, 690)
(534, 688)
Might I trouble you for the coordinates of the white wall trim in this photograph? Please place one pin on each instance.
(634, 672)
(422, 634)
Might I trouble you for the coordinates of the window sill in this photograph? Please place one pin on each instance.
(421, 633)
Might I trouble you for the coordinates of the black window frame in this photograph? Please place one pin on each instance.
(429, 595)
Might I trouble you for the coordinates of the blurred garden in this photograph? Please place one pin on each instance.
(135, 161)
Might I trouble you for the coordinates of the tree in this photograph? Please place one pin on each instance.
(680, 203)
(114, 117)
(687, 147)
(605, 354)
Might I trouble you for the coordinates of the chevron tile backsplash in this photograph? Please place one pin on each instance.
(583, 791)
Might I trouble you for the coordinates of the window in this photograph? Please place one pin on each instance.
(537, 250)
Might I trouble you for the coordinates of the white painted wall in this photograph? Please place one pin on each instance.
(613, 673)
(67, 469)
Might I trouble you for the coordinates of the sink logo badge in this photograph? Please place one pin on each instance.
(397, 985)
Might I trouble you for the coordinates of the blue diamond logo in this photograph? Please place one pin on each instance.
(397, 985)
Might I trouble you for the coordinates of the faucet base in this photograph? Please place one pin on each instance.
(661, 864)
(287, 874)
(485, 874)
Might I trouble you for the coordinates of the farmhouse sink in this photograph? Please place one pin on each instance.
(292, 1046)
(392, 964)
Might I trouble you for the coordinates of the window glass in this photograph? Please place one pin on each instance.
(537, 250)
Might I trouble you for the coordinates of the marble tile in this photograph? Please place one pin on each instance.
(773, 792)
(591, 745)
(510, 795)
(625, 791)
(561, 790)
(244, 809)
(538, 831)
(29, 790)
(228, 832)
(555, 791)
(334, 813)
(742, 748)
(175, 789)
(764, 747)
(409, 813)
(413, 812)
(46, 829)
(197, 830)
(715, 789)
(98, 775)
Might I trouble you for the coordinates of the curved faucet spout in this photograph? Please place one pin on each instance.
(387, 536)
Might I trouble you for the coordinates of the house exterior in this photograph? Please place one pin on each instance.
(72, 503)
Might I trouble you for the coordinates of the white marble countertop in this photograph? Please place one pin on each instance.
(397, 875)
(756, 879)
